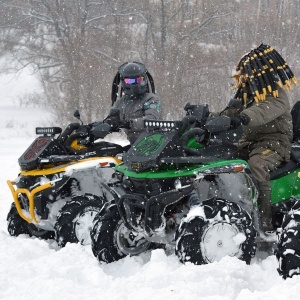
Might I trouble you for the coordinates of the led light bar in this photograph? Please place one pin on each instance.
(48, 130)
(161, 124)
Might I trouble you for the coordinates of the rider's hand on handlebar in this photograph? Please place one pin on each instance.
(239, 120)
(83, 130)
(113, 122)
(126, 124)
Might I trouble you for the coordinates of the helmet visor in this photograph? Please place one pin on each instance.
(134, 80)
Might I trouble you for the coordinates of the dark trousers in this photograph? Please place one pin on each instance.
(261, 164)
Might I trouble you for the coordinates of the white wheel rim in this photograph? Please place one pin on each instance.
(218, 242)
(83, 226)
(131, 242)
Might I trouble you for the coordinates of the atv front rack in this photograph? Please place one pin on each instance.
(30, 195)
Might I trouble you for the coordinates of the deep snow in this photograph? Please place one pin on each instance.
(31, 268)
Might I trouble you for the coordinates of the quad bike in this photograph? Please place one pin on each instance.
(288, 246)
(182, 187)
(58, 191)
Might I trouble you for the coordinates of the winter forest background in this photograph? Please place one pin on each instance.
(191, 47)
(58, 55)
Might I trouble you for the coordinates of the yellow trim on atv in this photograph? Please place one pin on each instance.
(30, 195)
(103, 162)
(62, 168)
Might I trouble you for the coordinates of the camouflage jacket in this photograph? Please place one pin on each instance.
(270, 125)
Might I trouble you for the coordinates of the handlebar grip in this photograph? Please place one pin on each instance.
(69, 129)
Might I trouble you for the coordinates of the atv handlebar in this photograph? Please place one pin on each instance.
(68, 131)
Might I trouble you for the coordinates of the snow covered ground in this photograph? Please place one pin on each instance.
(35, 269)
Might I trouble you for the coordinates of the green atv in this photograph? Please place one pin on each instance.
(288, 248)
(182, 187)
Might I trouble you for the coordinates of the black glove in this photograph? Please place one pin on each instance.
(83, 131)
(239, 120)
(125, 124)
(113, 120)
(235, 103)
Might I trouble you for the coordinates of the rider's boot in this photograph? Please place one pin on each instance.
(265, 207)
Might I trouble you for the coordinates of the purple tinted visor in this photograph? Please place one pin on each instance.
(133, 80)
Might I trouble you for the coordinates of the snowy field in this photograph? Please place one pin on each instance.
(35, 269)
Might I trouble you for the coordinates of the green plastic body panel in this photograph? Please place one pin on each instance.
(286, 187)
(283, 188)
(171, 171)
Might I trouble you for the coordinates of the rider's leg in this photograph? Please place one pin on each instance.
(261, 164)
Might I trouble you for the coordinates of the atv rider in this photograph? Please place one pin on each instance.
(137, 104)
(265, 116)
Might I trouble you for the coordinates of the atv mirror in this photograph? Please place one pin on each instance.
(101, 130)
(218, 124)
(77, 114)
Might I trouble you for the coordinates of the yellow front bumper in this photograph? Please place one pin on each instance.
(30, 195)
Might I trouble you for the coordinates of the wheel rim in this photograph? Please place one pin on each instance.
(218, 241)
(83, 226)
(131, 242)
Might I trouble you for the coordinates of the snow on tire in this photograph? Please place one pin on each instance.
(288, 247)
(15, 224)
(75, 219)
(111, 240)
(215, 229)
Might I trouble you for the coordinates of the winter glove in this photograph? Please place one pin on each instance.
(235, 103)
(137, 124)
(239, 120)
(113, 120)
(100, 130)
(82, 131)
(126, 124)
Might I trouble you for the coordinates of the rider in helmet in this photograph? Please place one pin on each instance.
(138, 103)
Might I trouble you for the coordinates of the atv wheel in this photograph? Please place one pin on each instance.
(40, 233)
(288, 248)
(75, 219)
(112, 240)
(215, 229)
(15, 224)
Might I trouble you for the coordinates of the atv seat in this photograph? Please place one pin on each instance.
(289, 166)
(295, 112)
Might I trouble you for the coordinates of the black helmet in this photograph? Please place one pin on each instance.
(133, 79)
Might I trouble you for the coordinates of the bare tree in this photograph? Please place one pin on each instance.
(190, 46)
(58, 39)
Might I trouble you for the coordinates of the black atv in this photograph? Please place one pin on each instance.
(58, 191)
(181, 186)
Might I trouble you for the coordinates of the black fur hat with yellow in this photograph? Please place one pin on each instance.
(260, 72)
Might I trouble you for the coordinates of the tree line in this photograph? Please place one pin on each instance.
(190, 47)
